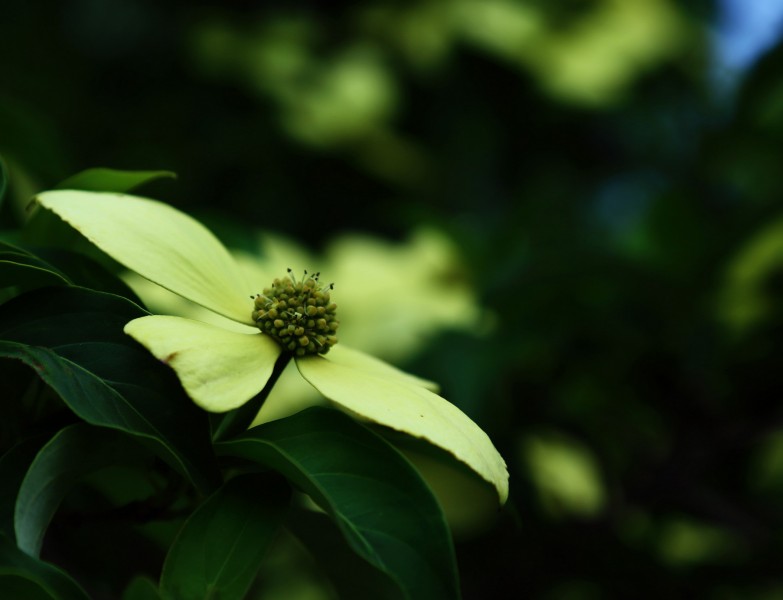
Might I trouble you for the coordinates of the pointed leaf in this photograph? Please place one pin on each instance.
(72, 453)
(13, 468)
(73, 339)
(352, 577)
(85, 272)
(141, 588)
(19, 274)
(160, 243)
(383, 508)
(111, 180)
(23, 574)
(26, 270)
(219, 549)
(3, 180)
(13, 585)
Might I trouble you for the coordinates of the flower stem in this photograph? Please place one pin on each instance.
(238, 420)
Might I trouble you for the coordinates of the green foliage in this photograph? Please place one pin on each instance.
(111, 180)
(141, 588)
(73, 339)
(107, 403)
(615, 192)
(219, 548)
(352, 577)
(29, 271)
(381, 505)
(72, 453)
(14, 465)
(24, 576)
(3, 180)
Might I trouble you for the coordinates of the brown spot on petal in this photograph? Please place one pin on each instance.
(170, 357)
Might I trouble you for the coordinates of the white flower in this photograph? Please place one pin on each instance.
(221, 368)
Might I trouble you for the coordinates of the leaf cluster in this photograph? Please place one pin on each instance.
(114, 483)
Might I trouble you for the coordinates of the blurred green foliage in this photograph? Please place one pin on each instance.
(618, 215)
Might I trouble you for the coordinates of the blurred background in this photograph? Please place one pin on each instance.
(602, 180)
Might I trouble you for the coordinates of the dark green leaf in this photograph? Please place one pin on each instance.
(13, 585)
(21, 271)
(18, 265)
(141, 588)
(86, 272)
(74, 340)
(111, 180)
(24, 278)
(13, 467)
(23, 574)
(26, 270)
(44, 228)
(385, 511)
(72, 453)
(352, 577)
(3, 180)
(218, 551)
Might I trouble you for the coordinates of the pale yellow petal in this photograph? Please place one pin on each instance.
(160, 243)
(356, 359)
(397, 404)
(393, 298)
(219, 369)
(161, 301)
(278, 253)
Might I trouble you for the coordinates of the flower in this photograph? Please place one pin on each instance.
(222, 367)
(374, 317)
(427, 265)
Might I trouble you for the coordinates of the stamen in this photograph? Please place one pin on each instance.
(299, 314)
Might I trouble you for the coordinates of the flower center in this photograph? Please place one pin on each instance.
(298, 314)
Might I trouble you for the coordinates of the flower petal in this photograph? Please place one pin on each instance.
(437, 295)
(356, 359)
(398, 404)
(160, 243)
(219, 369)
(160, 301)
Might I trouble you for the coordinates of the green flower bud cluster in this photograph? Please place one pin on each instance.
(298, 314)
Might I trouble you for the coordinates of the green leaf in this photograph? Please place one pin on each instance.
(352, 577)
(111, 180)
(19, 266)
(3, 180)
(13, 468)
(141, 588)
(27, 270)
(219, 549)
(43, 228)
(74, 340)
(86, 272)
(13, 585)
(21, 271)
(17, 277)
(72, 453)
(22, 576)
(383, 508)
